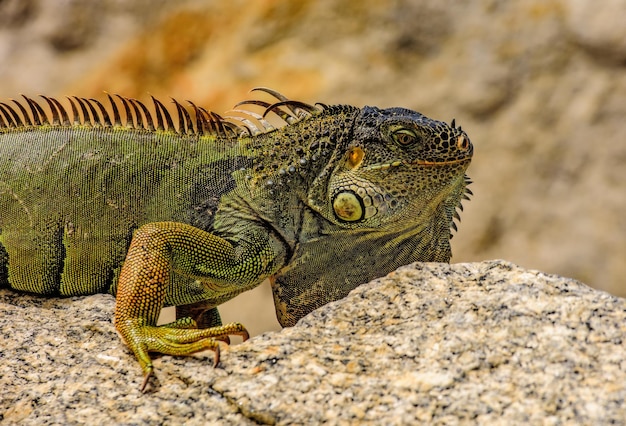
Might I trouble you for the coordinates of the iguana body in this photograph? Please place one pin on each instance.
(338, 196)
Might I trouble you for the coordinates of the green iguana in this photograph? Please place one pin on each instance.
(195, 213)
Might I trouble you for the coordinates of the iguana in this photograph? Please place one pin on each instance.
(123, 200)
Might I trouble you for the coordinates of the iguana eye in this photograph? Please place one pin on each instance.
(405, 137)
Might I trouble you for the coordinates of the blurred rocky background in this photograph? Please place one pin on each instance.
(539, 85)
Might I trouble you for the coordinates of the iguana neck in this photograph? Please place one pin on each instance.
(302, 155)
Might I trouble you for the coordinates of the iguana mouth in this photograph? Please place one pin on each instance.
(416, 162)
(439, 163)
(383, 165)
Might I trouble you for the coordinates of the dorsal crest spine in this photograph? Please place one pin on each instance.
(136, 115)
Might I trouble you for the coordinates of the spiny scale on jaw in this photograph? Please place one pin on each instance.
(91, 112)
(464, 196)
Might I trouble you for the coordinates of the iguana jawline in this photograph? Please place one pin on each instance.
(416, 162)
(439, 163)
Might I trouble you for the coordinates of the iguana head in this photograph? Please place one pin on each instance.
(380, 189)
(390, 189)
(398, 165)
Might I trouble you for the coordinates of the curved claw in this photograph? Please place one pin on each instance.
(216, 357)
(146, 378)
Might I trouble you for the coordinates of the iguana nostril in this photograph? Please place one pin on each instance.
(462, 143)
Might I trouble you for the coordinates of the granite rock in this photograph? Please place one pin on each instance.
(485, 342)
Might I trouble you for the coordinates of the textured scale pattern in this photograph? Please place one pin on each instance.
(192, 208)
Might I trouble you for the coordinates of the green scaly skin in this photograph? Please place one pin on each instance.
(194, 215)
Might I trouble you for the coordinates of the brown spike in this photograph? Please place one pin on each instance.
(281, 114)
(290, 119)
(453, 226)
(468, 191)
(272, 92)
(159, 114)
(244, 128)
(65, 118)
(11, 116)
(212, 122)
(220, 123)
(182, 125)
(233, 128)
(103, 118)
(456, 215)
(296, 107)
(305, 109)
(138, 118)
(39, 115)
(34, 112)
(97, 121)
(130, 122)
(56, 119)
(253, 102)
(168, 116)
(75, 116)
(106, 120)
(300, 109)
(25, 117)
(149, 122)
(137, 114)
(86, 118)
(184, 120)
(247, 125)
(200, 120)
(267, 126)
(5, 121)
(117, 120)
(216, 121)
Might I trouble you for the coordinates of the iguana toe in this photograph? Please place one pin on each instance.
(174, 339)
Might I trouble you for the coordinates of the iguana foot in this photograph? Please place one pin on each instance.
(179, 338)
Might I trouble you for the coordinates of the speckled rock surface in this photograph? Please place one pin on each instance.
(444, 344)
(61, 362)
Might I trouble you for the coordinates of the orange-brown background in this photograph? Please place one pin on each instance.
(539, 85)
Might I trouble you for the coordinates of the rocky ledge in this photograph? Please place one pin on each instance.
(477, 343)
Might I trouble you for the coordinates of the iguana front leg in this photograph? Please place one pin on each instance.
(225, 268)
